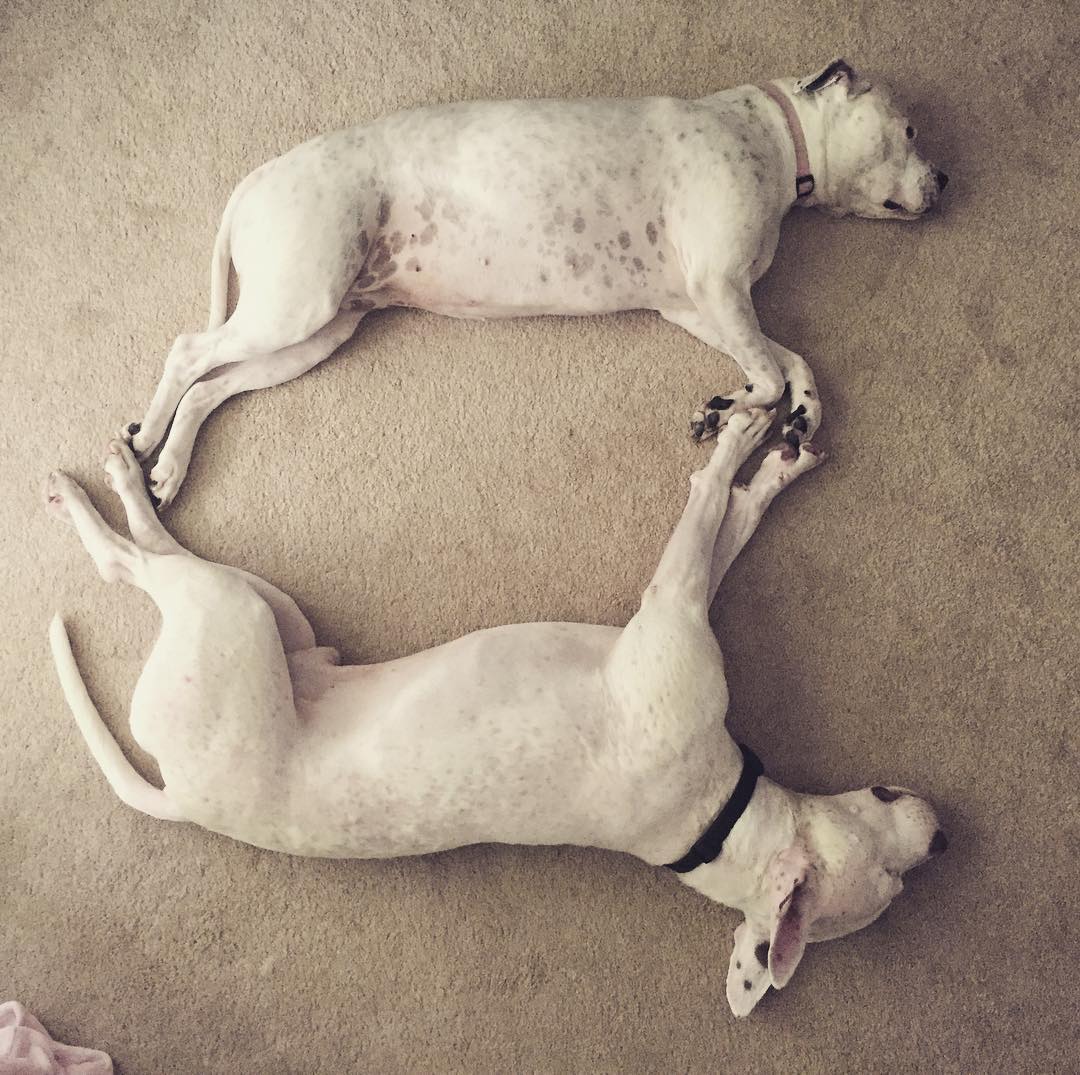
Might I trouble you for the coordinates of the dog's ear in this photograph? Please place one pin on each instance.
(748, 971)
(789, 887)
(839, 71)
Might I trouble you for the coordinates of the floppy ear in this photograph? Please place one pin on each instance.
(839, 71)
(748, 971)
(788, 884)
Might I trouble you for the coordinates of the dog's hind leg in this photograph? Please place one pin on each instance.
(116, 559)
(256, 371)
(126, 478)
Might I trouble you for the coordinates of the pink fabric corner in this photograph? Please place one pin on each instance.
(27, 1048)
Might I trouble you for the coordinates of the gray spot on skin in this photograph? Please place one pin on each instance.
(747, 984)
(560, 215)
(579, 225)
(429, 233)
(384, 211)
(397, 243)
(412, 265)
(762, 953)
(660, 256)
(543, 278)
(426, 209)
(579, 263)
(607, 280)
(639, 264)
(365, 242)
(624, 240)
(650, 232)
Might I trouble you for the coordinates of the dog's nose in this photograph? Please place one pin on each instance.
(938, 843)
(942, 180)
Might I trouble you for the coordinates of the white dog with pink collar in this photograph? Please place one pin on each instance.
(514, 208)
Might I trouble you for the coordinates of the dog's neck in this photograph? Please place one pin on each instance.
(767, 827)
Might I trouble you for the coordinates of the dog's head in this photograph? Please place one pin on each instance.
(842, 870)
(871, 166)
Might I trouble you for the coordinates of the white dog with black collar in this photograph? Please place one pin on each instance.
(542, 733)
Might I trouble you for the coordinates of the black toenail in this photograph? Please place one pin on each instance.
(155, 500)
(800, 424)
(800, 409)
(748, 387)
(133, 429)
(697, 428)
(793, 439)
(712, 420)
(719, 403)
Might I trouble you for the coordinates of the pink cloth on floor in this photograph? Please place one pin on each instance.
(26, 1048)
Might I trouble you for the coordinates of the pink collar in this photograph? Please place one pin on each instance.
(804, 179)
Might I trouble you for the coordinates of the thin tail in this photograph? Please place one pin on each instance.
(123, 779)
(219, 262)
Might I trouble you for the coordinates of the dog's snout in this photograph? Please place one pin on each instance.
(938, 843)
(942, 179)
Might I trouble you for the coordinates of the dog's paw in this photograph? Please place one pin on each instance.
(711, 417)
(55, 492)
(141, 441)
(743, 432)
(802, 422)
(121, 467)
(123, 473)
(782, 465)
(165, 481)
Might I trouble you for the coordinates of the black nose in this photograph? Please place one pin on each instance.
(942, 180)
(939, 843)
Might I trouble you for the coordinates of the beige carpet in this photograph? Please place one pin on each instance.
(908, 614)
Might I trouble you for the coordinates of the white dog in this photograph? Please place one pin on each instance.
(513, 208)
(542, 733)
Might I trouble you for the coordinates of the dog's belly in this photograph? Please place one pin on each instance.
(498, 209)
(505, 735)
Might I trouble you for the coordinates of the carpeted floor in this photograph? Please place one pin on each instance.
(907, 615)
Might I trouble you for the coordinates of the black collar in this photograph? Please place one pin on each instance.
(711, 842)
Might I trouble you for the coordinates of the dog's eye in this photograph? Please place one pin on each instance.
(890, 204)
(910, 132)
(886, 795)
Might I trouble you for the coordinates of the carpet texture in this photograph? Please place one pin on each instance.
(908, 614)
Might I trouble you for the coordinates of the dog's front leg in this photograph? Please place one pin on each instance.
(685, 568)
(724, 318)
(748, 504)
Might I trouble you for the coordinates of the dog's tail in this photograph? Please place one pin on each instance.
(122, 777)
(219, 262)
(219, 266)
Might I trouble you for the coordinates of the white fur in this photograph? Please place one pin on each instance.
(543, 733)
(509, 208)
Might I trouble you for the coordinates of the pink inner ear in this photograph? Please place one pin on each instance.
(788, 939)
